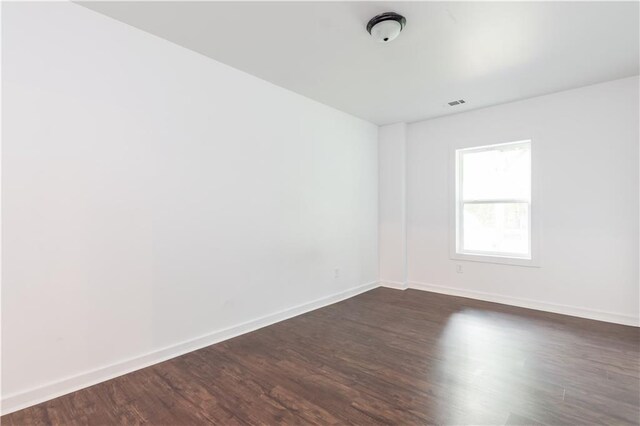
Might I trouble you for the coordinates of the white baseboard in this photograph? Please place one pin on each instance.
(573, 311)
(18, 401)
(394, 284)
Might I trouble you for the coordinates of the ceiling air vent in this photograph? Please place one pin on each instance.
(458, 102)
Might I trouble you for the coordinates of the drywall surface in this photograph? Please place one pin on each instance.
(586, 141)
(392, 140)
(151, 196)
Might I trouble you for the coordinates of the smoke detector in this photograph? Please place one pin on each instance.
(386, 26)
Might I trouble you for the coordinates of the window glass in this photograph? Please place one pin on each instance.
(494, 200)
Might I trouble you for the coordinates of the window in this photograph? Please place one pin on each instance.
(493, 202)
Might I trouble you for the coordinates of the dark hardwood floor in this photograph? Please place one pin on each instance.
(383, 357)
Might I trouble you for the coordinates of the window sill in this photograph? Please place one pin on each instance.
(513, 261)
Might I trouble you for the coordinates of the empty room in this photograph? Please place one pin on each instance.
(320, 213)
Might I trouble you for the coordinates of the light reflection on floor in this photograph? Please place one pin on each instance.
(483, 366)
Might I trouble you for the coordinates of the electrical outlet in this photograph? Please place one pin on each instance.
(336, 273)
(459, 269)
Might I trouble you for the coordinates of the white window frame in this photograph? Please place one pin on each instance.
(456, 230)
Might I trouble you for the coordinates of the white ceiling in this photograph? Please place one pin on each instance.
(486, 53)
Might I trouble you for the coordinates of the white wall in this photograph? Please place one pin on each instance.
(152, 196)
(587, 145)
(392, 158)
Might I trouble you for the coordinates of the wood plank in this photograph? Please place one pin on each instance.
(383, 357)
